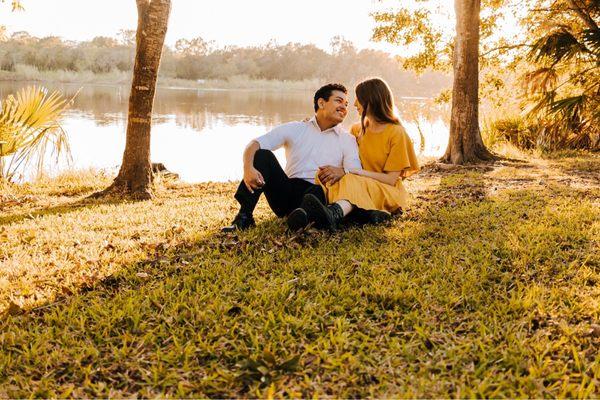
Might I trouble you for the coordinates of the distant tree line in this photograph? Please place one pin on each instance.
(199, 59)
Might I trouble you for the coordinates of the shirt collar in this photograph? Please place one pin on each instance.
(336, 129)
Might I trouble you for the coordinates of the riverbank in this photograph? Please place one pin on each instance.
(32, 74)
(487, 287)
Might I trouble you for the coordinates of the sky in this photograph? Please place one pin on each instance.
(227, 22)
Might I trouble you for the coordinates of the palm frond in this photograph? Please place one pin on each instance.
(571, 107)
(591, 38)
(557, 45)
(541, 80)
(30, 126)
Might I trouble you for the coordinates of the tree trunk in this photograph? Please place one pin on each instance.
(135, 175)
(465, 144)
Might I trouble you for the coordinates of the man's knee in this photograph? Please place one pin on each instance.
(262, 158)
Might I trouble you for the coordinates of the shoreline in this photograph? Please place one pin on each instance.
(162, 83)
(189, 87)
(118, 79)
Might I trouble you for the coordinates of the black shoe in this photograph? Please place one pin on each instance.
(378, 217)
(241, 222)
(325, 217)
(297, 219)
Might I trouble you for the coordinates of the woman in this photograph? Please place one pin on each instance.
(387, 156)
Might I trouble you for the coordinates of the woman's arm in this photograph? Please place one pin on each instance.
(389, 178)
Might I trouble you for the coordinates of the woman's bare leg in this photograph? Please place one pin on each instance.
(346, 206)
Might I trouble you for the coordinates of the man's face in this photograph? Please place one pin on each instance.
(336, 108)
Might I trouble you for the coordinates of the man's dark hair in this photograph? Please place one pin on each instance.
(326, 91)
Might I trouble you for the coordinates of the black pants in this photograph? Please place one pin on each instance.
(283, 194)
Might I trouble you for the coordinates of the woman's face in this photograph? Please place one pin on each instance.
(358, 106)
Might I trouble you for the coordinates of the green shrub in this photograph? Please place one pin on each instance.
(513, 129)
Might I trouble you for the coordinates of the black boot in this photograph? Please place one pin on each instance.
(301, 216)
(242, 221)
(378, 217)
(297, 219)
(325, 217)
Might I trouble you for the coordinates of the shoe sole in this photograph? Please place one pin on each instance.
(313, 206)
(297, 220)
(235, 228)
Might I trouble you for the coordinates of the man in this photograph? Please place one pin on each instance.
(319, 144)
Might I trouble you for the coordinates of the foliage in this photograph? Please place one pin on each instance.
(423, 28)
(197, 59)
(29, 127)
(559, 39)
(488, 287)
(519, 131)
(564, 89)
(16, 5)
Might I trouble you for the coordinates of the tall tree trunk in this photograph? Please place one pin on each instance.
(465, 144)
(135, 175)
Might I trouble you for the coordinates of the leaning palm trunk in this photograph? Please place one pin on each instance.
(135, 175)
(29, 128)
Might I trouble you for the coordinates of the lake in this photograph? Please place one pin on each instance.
(201, 134)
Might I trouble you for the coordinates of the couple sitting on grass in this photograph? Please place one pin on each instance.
(331, 174)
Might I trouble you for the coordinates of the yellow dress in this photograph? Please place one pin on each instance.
(390, 150)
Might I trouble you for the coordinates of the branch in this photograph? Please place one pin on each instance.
(512, 46)
(583, 16)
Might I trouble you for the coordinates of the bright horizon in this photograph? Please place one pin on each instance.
(227, 22)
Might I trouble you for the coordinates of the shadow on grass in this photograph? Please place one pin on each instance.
(585, 169)
(434, 305)
(57, 210)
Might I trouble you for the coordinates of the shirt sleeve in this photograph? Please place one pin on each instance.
(402, 157)
(351, 158)
(276, 138)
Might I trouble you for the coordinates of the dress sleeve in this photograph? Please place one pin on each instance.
(355, 130)
(276, 138)
(402, 155)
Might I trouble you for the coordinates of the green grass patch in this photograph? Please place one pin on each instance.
(487, 287)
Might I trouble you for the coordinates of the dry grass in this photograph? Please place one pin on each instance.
(488, 287)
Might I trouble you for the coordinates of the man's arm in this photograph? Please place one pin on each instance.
(351, 161)
(253, 179)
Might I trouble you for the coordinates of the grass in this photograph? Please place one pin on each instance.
(31, 73)
(488, 287)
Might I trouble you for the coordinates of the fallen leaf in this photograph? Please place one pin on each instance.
(14, 309)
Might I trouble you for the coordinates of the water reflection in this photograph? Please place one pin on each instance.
(200, 134)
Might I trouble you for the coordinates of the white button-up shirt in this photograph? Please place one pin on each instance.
(307, 148)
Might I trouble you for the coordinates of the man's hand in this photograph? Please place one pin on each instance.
(330, 174)
(253, 179)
